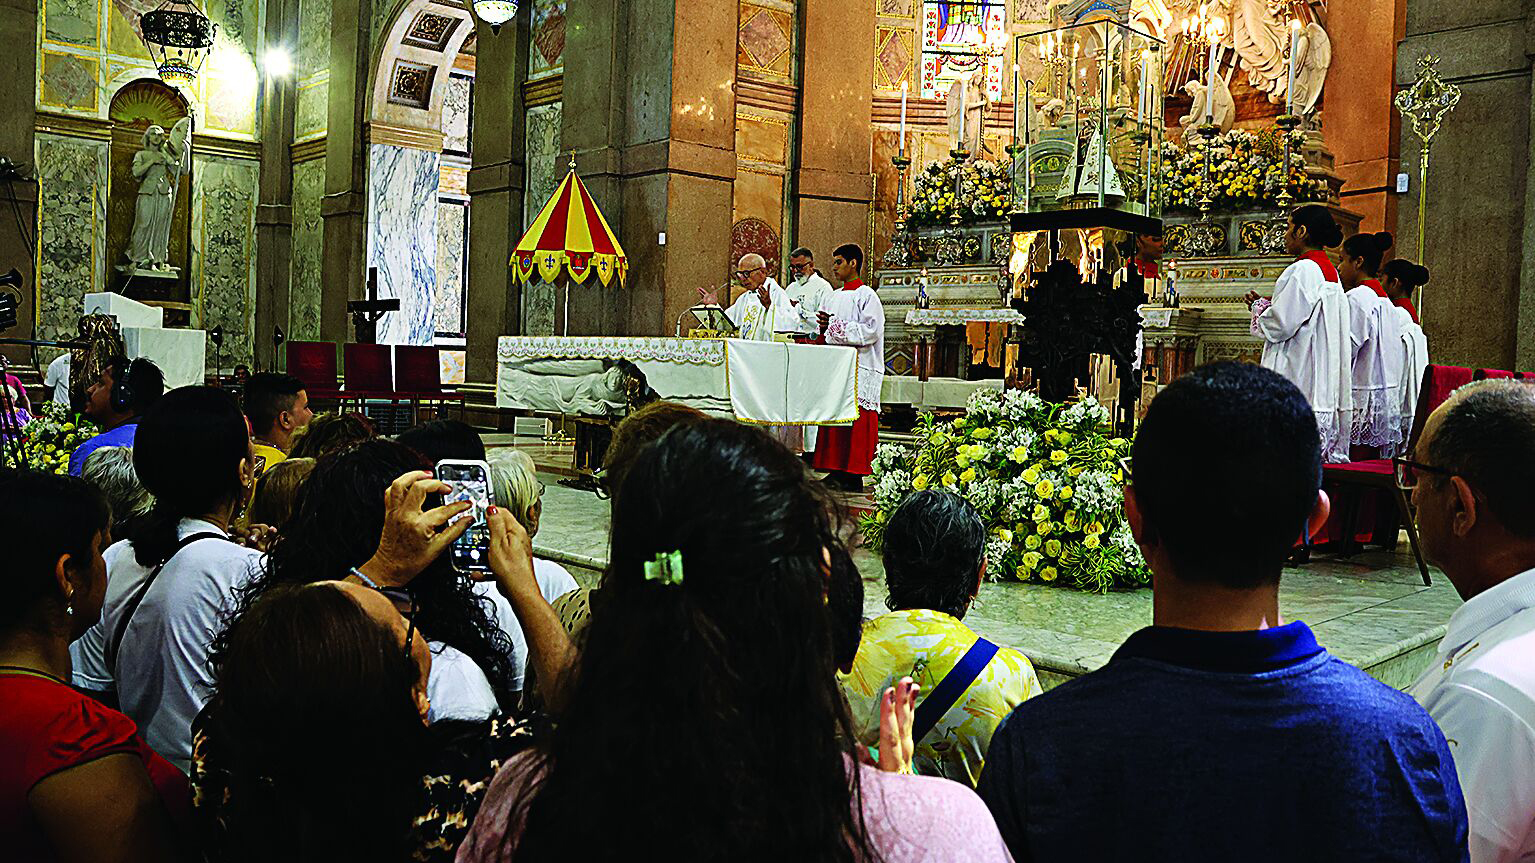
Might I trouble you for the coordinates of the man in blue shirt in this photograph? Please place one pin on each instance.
(1221, 732)
(115, 401)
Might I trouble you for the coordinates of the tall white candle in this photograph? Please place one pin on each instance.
(1140, 105)
(905, 86)
(1289, 90)
(1018, 106)
(1210, 93)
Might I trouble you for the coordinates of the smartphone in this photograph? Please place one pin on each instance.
(469, 481)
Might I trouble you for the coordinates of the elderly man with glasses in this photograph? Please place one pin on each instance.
(806, 292)
(1471, 475)
(763, 309)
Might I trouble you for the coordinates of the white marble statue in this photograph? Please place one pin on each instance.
(967, 96)
(1225, 106)
(158, 168)
(1313, 56)
(1049, 116)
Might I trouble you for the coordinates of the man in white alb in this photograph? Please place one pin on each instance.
(806, 292)
(763, 308)
(1470, 474)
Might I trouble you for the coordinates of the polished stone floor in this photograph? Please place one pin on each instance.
(1372, 610)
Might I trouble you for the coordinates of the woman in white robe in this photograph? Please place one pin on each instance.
(1305, 328)
(1376, 342)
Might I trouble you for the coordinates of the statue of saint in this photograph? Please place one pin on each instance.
(158, 168)
(967, 104)
(1225, 110)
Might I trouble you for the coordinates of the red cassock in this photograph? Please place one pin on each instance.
(1407, 304)
(847, 448)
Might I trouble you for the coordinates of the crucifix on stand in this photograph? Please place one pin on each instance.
(366, 313)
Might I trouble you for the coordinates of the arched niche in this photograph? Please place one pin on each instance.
(136, 106)
(415, 57)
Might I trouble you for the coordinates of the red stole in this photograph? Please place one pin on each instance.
(1148, 269)
(852, 284)
(1329, 272)
(1407, 304)
(1374, 285)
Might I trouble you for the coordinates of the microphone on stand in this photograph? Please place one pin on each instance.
(216, 335)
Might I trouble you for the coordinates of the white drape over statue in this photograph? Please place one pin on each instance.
(158, 168)
(966, 106)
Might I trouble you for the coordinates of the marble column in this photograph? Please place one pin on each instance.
(343, 265)
(274, 204)
(1479, 306)
(836, 109)
(496, 182)
(649, 108)
(18, 27)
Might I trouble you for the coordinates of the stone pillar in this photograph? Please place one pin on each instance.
(649, 108)
(1479, 221)
(836, 109)
(343, 265)
(496, 182)
(18, 28)
(274, 204)
(1362, 128)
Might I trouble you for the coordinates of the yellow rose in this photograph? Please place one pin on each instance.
(1047, 574)
(968, 476)
(1044, 488)
(1095, 528)
(1053, 547)
(1092, 540)
(1032, 542)
(982, 433)
(962, 461)
(1058, 456)
(919, 482)
(1064, 438)
(1004, 534)
(1077, 471)
(1070, 520)
(948, 478)
(1066, 492)
(1030, 475)
(1041, 512)
(1045, 528)
(1031, 560)
(1019, 454)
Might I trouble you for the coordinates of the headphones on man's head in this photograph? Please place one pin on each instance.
(122, 391)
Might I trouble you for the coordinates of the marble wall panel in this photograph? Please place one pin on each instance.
(310, 119)
(758, 194)
(455, 178)
(456, 104)
(72, 218)
(402, 238)
(452, 247)
(546, 56)
(229, 101)
(239, 22)
(69, 81)
(73, 22)
(304, 279)
(122, 39)
(314, 26)
(545, 170)
(762, 139)
(224, 252)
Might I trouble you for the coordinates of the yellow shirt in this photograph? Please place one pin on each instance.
(926, 645)
(266, 456)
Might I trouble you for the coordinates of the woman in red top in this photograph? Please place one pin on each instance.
(1401, 278)
(77, 783)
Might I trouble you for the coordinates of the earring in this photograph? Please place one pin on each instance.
(69, 609)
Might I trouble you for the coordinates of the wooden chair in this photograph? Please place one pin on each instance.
(314, 363)
(1379, 475)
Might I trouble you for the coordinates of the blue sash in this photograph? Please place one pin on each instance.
(951, 687)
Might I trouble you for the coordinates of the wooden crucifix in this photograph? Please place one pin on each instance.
(366, 313)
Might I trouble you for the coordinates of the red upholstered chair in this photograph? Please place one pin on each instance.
(369, 371)
(418, 376)
(1484, 374)
(314, 363)
(1361, 477)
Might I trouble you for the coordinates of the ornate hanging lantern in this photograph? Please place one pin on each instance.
(494, 12)
(180, 38)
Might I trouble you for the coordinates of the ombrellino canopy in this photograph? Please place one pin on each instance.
(570, 232)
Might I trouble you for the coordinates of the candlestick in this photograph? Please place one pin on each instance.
(1210, 93)
(1141, 103)
(1028, 107)
(1289, 91)
(1017, 103)
(905, 86)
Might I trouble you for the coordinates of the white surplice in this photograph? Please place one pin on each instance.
(858, 320)
(806, 295)
(1377, 405)
(1414, 361)
(1305, 330)
(757, 323)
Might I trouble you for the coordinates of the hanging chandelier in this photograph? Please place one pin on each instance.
(494, 12)
(179, 37)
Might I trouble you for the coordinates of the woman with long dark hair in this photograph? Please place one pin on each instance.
(170, 583)
(337, 526)
(704, 720)
(1304, 327)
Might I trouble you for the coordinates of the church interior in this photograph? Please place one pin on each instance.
(507, 213)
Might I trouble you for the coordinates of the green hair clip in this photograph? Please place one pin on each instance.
(666, 568)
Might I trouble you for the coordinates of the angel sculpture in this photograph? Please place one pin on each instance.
(1049, 116)
(967, 105)
(1313, 56)
(158, 167)
(1225, 106)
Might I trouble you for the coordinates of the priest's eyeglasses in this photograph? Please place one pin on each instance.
(1409, 472)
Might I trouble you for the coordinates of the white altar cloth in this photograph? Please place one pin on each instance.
(765, 383)
(180, 354)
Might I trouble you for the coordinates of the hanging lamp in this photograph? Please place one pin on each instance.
(180, 38)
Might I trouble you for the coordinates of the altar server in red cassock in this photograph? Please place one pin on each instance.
(1305, 328)
(853, 316)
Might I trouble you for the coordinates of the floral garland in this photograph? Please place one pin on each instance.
(1045, 478)
(1246, 171)
(52, 436)
(985, 193)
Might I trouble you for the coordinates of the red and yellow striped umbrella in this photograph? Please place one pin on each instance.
(570, 232)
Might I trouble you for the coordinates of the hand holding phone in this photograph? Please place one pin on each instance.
(468, 482)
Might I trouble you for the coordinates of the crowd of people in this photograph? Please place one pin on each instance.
(1348, 336)
(200, 664)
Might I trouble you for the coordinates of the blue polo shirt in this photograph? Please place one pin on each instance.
(120, 436)
(1221, 746)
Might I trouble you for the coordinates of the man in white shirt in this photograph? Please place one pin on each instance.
(763, 308)
(57, 377)
(1471, 474)
(806, 292)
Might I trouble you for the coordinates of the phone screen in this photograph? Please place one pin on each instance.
(469, 481)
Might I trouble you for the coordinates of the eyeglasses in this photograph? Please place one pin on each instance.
(801, 268)
(741, 274)
(1409, 472)
(397, 596)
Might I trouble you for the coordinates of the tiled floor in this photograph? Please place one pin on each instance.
(1372, 611)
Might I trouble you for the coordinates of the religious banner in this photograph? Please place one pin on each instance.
(960, 38)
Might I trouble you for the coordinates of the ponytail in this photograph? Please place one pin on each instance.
(1322, 229)
(1411, 275)
(1371, 248)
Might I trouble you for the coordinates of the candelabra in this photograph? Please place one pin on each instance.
(899, 253)
(1207, 131)
(951, 246)
(1425, 104)
(1287, 123)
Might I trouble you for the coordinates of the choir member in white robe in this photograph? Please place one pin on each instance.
(1305, 328)
(1376, 342)
(1414, 361)
(855, 317)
